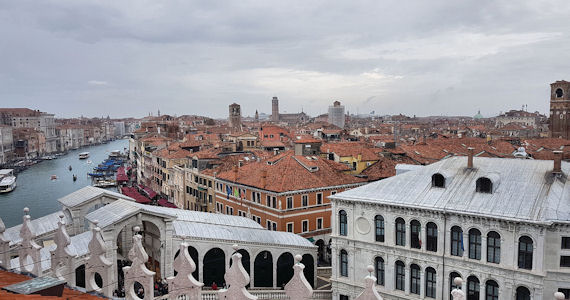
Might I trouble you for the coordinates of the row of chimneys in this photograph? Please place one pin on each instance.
(557, 160)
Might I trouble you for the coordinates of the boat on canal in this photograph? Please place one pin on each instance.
(7, 180)
(83, 155)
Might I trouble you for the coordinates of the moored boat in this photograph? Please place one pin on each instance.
(7, 180)
(83, 155)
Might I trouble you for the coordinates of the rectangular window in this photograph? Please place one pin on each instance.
(305, 200)
(268, 201)
(289, 202)
(258, 220)
(305, 225)
(274, 226)
(274, 202)
(431, 237)
(319, 198)
(565, 242)
(268, 225)
(415, 280)
(343, 297)
(430, 284)
(400, 277)
(565, 261)
(319, 223)
(289, 227)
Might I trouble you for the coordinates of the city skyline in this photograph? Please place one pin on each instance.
(129, 59)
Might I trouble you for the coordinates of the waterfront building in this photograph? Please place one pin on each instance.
(500, 224)
(287, 192)
(560, 109)
(336, 114)
(28, 118)
(6, 144)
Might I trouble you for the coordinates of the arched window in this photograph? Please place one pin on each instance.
(484, 185)
(437, 180)
(493, 247)
(523, 293)
(452, 285)
(379, 221)
(525, 253)
(400, 232)
(472, 288)
(415, 279)
(456, 241)
(430, 282)
(431, 237)
(491, 290)
(342, 220)
(400, 276)
(559, 93)
(415, 231)
(379, 262)
(475, 244)
(343, 263)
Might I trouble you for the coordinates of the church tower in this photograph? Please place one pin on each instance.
(275, 110)
(560, 109)
(235, 116)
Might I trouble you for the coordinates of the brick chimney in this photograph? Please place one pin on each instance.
(235, 173)
(263, 178)
(470, 157)
(557, 162)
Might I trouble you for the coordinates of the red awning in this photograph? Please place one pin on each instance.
(121, 175)
(133, 193)
(151, 194)
(165, 203)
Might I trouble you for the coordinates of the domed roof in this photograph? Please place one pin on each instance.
(478, 115)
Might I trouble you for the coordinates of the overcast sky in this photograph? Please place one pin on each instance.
(129, 58)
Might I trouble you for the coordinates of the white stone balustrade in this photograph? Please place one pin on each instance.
(98, 264)
(61, 257)
(370, 292)
(4, 247)
(237, 279)
(184, 283)
(138, 272)
(298, 288)
(29, 252)
(458, 294)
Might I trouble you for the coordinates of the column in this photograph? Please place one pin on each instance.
(422, 284)
(389, 274)
(482, 289)
(407, 279)
(423, 237)
(465, 244)
(274, 265)
(408, 235)
(483, 249)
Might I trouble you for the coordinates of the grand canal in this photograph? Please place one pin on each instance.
(36, 190)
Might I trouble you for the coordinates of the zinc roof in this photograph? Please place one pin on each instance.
(40, 226)
(86, 194)
(524, 190)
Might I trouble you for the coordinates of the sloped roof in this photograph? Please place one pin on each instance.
(88, 193)
(526, 191)
(40, 226)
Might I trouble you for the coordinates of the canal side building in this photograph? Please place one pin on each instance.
(500, 224)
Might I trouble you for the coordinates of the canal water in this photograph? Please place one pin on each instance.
(36, 190)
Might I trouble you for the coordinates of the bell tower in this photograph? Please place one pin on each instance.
(235, 116)
(560, 109)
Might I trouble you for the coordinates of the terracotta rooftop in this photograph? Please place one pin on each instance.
(290, 173)
(8, 278)
(353, 149)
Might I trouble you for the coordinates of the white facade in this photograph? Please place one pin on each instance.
(6, 144)
(336, 114)
(526, 201)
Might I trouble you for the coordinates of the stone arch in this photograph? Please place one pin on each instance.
(309, 270)
(473, 288)
(263, 270)
(194, 255)
(285, 264)
(214, 267)
(152, 243)
(321, 251)
(80, 276)
(522, 293)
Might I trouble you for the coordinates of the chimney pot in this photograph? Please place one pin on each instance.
(470, 157)
(557, 162)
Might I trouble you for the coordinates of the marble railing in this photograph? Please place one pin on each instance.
(260, 294)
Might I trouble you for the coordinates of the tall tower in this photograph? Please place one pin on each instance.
(336, 114)
(560, 109)
(235, 116)
(275, 110)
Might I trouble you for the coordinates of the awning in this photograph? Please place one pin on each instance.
(165, 203)
(311, 239)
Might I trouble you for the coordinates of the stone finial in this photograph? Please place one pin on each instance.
(559, 296)
(4, 247)
(236, 279)
(137, 271)
(97, 263)
(184, 283)
(370, 292)
(458, 294)
(298, 288)
(61, 256)
(29, 248)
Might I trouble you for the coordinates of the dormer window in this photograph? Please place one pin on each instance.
(437, 180)
(484, 185)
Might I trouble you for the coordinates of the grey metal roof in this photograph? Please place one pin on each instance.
(120, 209)
(40, 226)
(239, 235)
(86, 194)
(78, 247)
(523, 189)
